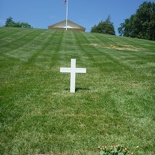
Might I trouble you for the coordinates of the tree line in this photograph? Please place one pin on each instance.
(139, 25)
(10, 23)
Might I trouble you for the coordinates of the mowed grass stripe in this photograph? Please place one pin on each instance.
(22, 71)
(47, 46)
(134, 74)
(21, 38)
(133, 57)
(112, 97)
(106, 59)
(27, 88)
(24, 50)
(70, 49)
(144, 87)
(111, 105)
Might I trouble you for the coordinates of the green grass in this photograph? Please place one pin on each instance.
(114, 102)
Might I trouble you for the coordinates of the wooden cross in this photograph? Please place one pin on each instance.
(73, 70)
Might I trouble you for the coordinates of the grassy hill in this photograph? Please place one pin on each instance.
(114, 101)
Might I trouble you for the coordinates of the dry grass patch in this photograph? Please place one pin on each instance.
(116, 47)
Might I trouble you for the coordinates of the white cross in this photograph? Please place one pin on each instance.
(73, 70)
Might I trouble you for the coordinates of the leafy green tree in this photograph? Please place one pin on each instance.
(16, 24)
(105, 27)
(25, 25)
(10, 23)
(141, 24)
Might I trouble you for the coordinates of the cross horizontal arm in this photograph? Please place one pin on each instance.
(80, 70)
(65, 70)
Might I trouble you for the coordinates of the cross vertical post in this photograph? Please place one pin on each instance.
(72, 76)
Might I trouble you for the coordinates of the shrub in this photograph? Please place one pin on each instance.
(114, 150)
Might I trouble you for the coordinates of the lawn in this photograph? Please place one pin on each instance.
(114, 101)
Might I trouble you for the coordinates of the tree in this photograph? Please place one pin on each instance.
(25, 25)
(141, 24)
(10, 23)
(105, 27)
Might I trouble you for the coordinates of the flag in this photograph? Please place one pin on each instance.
(65, 1)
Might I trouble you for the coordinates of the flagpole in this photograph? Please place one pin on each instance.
(66, 14)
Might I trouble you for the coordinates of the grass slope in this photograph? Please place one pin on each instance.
(114, 102)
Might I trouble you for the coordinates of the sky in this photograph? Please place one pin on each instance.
(87, 13)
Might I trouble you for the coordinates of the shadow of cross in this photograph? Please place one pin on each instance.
(72, 70)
